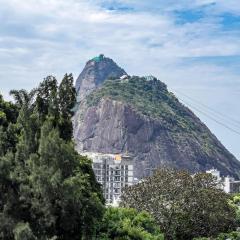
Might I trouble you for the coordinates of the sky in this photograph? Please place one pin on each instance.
(191, 45)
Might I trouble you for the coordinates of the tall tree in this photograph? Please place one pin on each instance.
(8, 188)
(67, 100)
(47, 99)
(8, 130)
(66, 201)
(67, 96)
(47, 190)
(184, 206)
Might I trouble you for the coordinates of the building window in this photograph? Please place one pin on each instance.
(117, 190)
(117, 179)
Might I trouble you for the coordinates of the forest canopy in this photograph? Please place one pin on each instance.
(48, 191)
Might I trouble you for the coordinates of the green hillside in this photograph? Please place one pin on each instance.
(152, 99)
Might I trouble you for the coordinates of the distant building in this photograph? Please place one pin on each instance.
(98, 58)
(113, 172)
(231, 185)
(215, 173)
(228, 184)
(124, 77)
(149, 78)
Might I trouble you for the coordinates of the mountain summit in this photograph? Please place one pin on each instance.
(139, 116)
(96, 71)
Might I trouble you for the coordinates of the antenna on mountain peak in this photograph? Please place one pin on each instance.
(98, 58)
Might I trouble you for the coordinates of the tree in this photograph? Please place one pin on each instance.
(67, 96)
(66, 200)
(22, 97)
(67, 100)
(47, 97)
(223, 236)
(184, 206)
(235, 203)
(23, 232)
(8, 129)
(47, 190)
(56, 102)
(123, 223)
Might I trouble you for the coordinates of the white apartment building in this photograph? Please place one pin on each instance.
(215, 173)
(228, 184)
(113, 172)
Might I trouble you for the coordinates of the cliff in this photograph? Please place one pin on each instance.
(144, 119)
(96, 71)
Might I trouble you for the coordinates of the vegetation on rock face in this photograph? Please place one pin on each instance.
(47, 190)
(151, 98)
(184, 206)
(123, 223)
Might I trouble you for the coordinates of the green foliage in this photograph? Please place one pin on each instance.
(183, 206)
(123, 223)
(56, 102)
(235, 203)
(48, 191)
(65, 199)
(23, 232)
(3, 118)
(8, 112)
(8, 130)
(223, 236)
(236, 199)
(67, 100)
(47, 98)
(152, 99)
(230, 236)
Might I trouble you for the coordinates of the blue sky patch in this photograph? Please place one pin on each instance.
(116, 6)
(230, 22)
(188, 16)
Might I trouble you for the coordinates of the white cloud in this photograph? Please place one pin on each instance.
(67, 33)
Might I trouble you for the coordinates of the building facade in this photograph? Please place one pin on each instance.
(228, 184)
(113, 172)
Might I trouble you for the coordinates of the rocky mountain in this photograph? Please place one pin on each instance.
(96, 71)
(139, 116)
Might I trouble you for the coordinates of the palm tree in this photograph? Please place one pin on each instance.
(23, 98)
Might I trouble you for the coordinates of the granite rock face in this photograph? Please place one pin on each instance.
(116, 125)
(95, 73)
